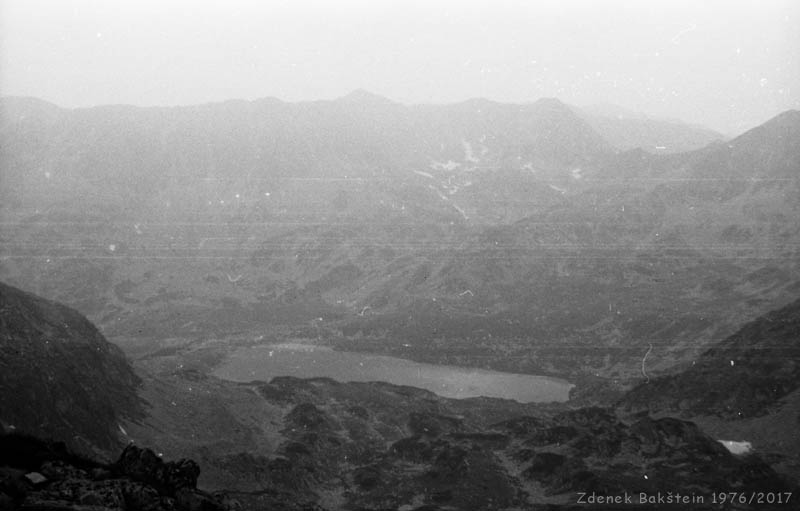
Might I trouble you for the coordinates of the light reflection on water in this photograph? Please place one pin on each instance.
(307, 361)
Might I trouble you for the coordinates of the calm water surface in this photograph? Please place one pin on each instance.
(307, 361)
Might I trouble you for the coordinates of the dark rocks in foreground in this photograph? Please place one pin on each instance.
(45, 476)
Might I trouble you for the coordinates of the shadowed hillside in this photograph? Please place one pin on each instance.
(744, 376)
(60, 377)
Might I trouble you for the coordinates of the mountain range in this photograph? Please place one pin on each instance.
(651, 263)
(517, 237)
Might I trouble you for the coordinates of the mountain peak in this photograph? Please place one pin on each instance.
(16, 107)
(782, 129)
(789, 118)
(612, 111)
(552, 104)
(365, 96)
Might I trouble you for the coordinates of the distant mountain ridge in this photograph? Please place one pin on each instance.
(627, 130)
(371, 122)
(188, 157)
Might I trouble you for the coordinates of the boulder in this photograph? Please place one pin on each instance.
(35, 478)
(145, 466)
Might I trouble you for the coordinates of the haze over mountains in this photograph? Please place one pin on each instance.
(466, 223)
(612, 250)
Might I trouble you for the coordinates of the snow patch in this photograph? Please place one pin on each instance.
(469, 154)
(737, 447)
(448, 165)
(529, 167)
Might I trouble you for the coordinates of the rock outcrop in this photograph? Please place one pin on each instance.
(46, 476)
(60, 378)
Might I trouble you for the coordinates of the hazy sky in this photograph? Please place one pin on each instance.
(729, 64)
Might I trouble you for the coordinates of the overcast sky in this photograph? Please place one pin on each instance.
(728, 64)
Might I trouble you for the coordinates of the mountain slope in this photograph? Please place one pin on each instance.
(321, 444)
(480, 234)
(744, 376)
(745, 388)
(59, 377)
(666, 254)
(627, 130)
(151, 156)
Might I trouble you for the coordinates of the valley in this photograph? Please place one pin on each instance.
(356, 304)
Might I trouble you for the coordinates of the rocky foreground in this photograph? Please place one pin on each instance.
(46, 476)
(523, 463)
